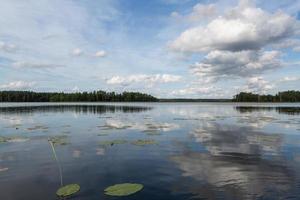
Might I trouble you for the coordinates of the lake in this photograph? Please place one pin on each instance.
(176, 150)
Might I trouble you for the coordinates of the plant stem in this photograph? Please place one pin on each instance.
(57, 161)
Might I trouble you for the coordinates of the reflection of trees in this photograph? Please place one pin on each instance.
(281, 110)
(91, 109)
(236, 163)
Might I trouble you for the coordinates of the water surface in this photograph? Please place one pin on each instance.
(199, 150)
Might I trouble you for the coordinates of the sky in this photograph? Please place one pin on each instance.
(167, 48)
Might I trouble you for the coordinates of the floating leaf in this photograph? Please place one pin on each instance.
(68, 190)
(3, 169)
(123, 189)
(144, 142)
(112, 142)
(13, 139)
(102, 134)
(58, 140)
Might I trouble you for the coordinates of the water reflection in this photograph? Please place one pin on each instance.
(280, 110)
(240, 178)
(203, 151)
(236, 162)
(90, 109)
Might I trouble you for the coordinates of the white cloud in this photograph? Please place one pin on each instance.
(220, 64)
(36, 65)
(100, 54)
(7, 47)
(194, 91)
(199, 13)
(143, 78)
(17, 85)
(242, 28)
(289, 79)
(257, 85)
(77, 52)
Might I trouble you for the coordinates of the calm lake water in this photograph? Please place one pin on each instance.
(200, 151)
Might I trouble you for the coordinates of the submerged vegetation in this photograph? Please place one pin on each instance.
(95, 96)
(123, 189)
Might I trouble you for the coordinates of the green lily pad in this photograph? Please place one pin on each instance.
(4, 139)
(59, 140)
(144, 142)
(112, 142)
(68, 190)
(123, 189)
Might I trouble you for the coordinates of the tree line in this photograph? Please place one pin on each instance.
(286, 96)
(95, 96)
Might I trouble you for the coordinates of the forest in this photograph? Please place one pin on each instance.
(95, 96)
(285, 96)
(101, 96)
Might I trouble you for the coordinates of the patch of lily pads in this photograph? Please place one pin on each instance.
(144, 142)
(59, 140)
(124, 189)
(112, 142)
(4, 139)
(38, 127)
(68, 190)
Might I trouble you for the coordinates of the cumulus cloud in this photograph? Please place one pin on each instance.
(143, 78)
(35, 65)
(258, 84)
(194, 90)
(289, 79)
(234, 44)
(77, 52)
(17, 85)
(242, 28)
(100, 54)
(7, 47)
(220, 64)
(200, 12)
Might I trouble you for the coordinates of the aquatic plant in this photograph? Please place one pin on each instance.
(144, 142)
(123, 189)
(58, 140)
(67, 190)
(38, 127)
(4, 139)
(102, 134)
(3, 169)
(112, 142)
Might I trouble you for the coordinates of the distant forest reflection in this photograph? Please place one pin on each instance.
(90, 109)
(280, 110)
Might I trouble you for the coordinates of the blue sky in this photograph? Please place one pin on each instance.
(168, 48)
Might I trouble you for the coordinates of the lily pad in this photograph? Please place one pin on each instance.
(144, 142)
(4, 139)
(59, 140)
(112, 142)
(123, 189)
(67, 190)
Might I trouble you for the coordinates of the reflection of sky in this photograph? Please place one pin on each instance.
(216, 149)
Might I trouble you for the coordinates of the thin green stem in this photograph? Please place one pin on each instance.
(57, 161)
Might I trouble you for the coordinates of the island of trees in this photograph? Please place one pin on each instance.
(100, 96)
(95, 96)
